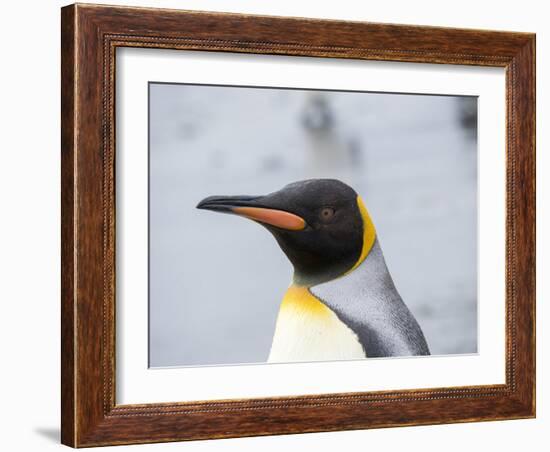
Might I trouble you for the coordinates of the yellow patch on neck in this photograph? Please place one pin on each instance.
(300, 300)
(369, 234)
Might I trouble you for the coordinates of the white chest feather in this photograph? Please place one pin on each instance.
(307, 330)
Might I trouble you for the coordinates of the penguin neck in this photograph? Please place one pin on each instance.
(313, 277)
(325, 274)
(368, 302)
(328, 273)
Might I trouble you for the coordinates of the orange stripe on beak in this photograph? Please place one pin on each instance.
(278, 218)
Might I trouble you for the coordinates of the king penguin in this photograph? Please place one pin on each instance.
(342, 303)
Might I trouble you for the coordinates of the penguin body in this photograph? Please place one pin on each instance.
(342, 303)
(347, 318)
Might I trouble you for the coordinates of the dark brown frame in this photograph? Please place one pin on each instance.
(90, 34)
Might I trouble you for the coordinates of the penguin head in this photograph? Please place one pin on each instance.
(320, 224)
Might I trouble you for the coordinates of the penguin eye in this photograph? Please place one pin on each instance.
(326, 214)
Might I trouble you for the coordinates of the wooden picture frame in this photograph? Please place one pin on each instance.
(90, 35)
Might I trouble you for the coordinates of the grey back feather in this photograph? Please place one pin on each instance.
(367, 301)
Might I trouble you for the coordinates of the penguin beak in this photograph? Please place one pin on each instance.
(253, 208)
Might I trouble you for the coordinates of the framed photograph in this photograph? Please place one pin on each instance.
(281, 225)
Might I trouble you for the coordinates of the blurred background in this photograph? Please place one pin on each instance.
(216, 281)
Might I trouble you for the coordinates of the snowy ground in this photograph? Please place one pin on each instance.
(216, 280)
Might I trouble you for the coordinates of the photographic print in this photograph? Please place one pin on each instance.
(351, 234)
(276, 225)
